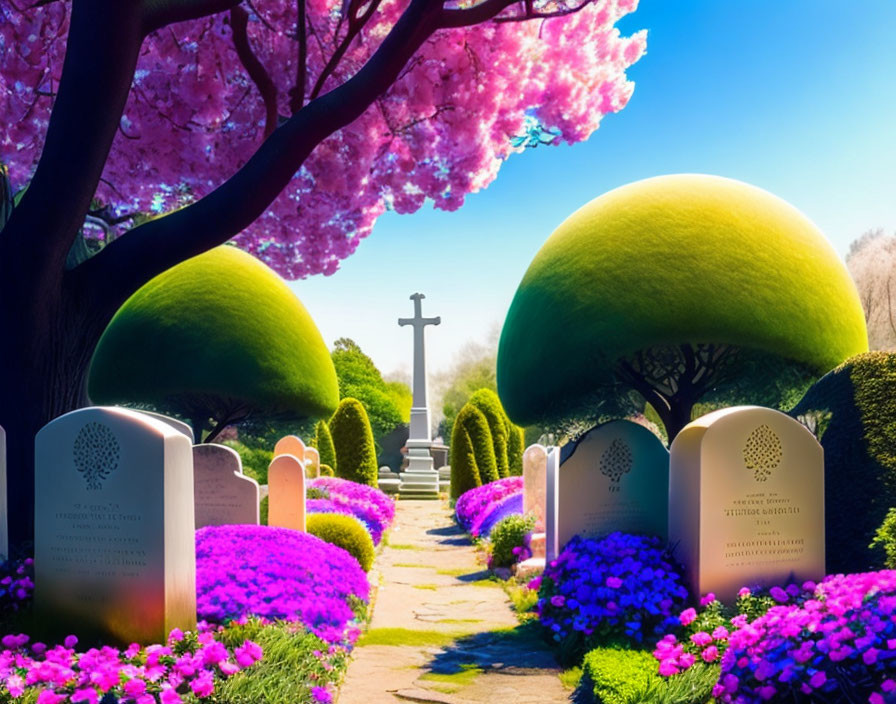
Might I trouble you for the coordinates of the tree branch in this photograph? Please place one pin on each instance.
(161, 13)
(297, 97)
(159, 244)
(101, 56)
(239, 21)
(476, 14)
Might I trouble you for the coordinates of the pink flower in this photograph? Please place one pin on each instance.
(701, 638)
(48, 696)
(710, 654)
(70, 642)
(169, 696)
(614, 582)
(203, 685)
(175, 636)
(134, 687)
(247, 654)
(707, 599)
(687, 616)
(87, 694)
(15, 685)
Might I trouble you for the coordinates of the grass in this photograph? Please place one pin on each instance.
(406, 636)
(570, 678)
(430, 587)
(411, 564)
(404, 546)
(490, 582)
(456, 571)
(522, 598)
(459, 620)
(463, 677)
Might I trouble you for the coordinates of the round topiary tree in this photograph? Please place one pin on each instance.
(464, 472)
(346, 532)
(489, 405)
(852, 410)
(353, 442)
(323, 441)
(216, 339)
(678, 288)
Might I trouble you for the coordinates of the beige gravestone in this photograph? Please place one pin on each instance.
(746, 501)
(615, 478)
(222, 494)
(312, 463)
(535, 464)
(290, 445)
(286, 493)
(114, 550)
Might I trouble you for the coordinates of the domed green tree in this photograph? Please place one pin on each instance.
(323, 441)
(853, 412)
(353, 442)
(216, 339)
(681, 289)
(489, 405)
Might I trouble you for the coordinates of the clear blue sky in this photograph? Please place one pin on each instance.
(795, 96)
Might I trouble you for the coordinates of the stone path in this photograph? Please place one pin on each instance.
(440, 632)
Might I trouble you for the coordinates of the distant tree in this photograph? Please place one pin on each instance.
(676, 290)
(385, 402)
(217, 339)
(353, 441)
(872, 262)
(473, 369)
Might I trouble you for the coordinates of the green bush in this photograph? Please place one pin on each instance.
(256, 460)
(489, 405)
(317, 492)
(515, 445)
(853, 410)
(327, 471)
(886, 539)
(346, 532)
(509, 533)
(477, 428)
(620, 676)
(323, 441)
(464, 472)
(353, 442)
(263, 511)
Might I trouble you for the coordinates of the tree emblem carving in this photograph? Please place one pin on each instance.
(763, 452)
(616, 460)
(96, 453)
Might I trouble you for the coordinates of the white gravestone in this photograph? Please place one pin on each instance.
(286, 493)
(178, 425)
(114, 547)
(535, 464)
(312, 463)
(222, 494)
(290, 445)
(615, 478)
(746, 501)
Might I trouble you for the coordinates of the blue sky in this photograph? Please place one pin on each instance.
(794, 96)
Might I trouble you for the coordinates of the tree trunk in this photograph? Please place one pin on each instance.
(48, 337)
(676, 416)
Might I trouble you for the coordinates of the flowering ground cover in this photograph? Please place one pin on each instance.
(277, 573)
(369, 505)
(473, 504)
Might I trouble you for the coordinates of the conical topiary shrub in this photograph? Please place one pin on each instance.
(353, 442)
(464, 473)
(489, 405)
(323, 441)
(476, 425)
(515, 443)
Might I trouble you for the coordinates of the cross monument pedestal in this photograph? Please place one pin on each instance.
(420, 480)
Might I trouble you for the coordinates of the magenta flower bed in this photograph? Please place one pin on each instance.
(277, 573)
(157, 673)
(473, 503)
(838, 637)
(496, 511)
(369, 505)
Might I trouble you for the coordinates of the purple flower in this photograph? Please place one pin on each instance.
(473, 503)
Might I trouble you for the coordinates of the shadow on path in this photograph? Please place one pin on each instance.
(446, 530)
(514, 651)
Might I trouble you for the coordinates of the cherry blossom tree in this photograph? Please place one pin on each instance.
(149, 131)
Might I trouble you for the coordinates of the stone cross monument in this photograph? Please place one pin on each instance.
(420, 480)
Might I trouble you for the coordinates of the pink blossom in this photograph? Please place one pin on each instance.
(687, 616)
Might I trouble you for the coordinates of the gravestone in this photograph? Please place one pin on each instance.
(222, 494)
(746, 501)
(312, 463)
(535, 465)
(286, 493)
(614, 478)
(114, 550)
(290, 445)
(178, 425)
